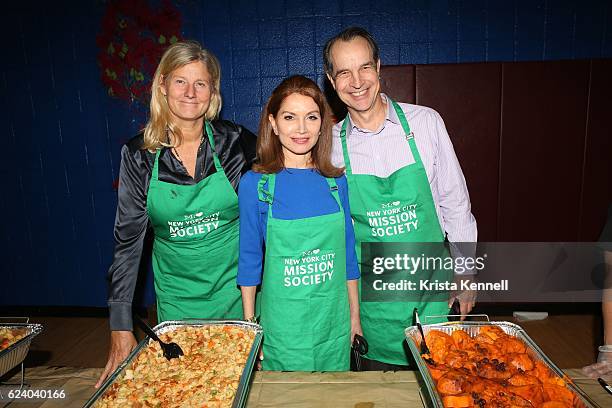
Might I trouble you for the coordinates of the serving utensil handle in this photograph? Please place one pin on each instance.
(145, 327)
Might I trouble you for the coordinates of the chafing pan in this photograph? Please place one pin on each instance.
(413, 338)
(244, 384)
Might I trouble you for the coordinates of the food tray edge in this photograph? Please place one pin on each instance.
(243, 386)
(13, 355)
(412, 335)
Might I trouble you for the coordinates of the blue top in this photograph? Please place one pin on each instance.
(298, 193)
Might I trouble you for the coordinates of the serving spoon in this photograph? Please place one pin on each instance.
(424, 348)
(171, 350)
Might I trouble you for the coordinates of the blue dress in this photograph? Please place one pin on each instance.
(299, 193)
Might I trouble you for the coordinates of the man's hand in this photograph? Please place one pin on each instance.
(603, 369)
(122, 344)
(603, 366)
(466, 299)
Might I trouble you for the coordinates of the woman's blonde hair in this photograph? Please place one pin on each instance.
(160, 125)
(269, 149)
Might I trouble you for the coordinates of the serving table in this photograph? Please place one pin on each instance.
(371, 389)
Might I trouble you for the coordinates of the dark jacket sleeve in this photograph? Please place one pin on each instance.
(131, 223)
(236, 146)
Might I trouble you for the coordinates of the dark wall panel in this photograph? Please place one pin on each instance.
(597, 180)
(67, 132)
(467, 96)
(544, 120)
(398, 81)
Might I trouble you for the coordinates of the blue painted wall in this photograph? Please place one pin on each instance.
(62, 133)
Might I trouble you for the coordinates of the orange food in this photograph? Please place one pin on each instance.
(492, 369)
(452, 383)
(559, 394)
(532, 393)
(555, 404)
(523, 379)
(458, 401)
(520, 361)
(439, 344)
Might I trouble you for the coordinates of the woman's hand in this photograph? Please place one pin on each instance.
(353, 298)
(260, 358)
(122, 344)
(355, 329)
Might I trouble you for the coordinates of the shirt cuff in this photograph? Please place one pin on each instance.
(120, 316)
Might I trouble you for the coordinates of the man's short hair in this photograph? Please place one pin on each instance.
(346, 35)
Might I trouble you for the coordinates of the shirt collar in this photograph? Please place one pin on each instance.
(390, 117)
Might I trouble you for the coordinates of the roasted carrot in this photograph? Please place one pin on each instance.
(457, 401)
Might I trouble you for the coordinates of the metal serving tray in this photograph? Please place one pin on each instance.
(245, 378)
(12, 356)
(413, 338)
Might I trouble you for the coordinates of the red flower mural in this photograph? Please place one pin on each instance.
(133, 38)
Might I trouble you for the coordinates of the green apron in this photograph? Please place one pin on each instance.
(304, 299)
(383, 323)
(195, 252)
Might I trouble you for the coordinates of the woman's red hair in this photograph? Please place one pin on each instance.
(269, 149)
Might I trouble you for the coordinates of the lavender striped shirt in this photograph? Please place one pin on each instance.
(386, 150)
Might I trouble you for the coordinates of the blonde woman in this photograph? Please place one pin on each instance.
(178, 180)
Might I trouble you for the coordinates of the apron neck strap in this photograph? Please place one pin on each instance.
(347, 160)
(155, 173)
(267, 196)
(211, 140)
(333, 188)
(405, 126)
(407, 132)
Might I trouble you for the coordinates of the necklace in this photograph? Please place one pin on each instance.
(178, 156)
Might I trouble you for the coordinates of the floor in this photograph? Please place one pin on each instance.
(569, 339)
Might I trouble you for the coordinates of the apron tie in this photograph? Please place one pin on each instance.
(263, 194)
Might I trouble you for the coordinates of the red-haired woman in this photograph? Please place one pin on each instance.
(295, 204)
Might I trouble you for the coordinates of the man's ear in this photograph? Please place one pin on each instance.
(378, 66)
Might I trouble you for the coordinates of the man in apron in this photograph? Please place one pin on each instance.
(394, 154)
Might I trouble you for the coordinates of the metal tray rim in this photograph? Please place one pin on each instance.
(37, 328)
(518, 331)
(20, 346)
(242, 390)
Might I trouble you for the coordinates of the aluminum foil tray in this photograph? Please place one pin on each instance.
(245, 378)
(14, 355)
(413, 338)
